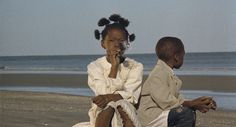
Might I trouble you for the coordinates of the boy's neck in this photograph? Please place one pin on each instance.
(170, 64)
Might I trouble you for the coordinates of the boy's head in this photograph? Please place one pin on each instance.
(171, 50)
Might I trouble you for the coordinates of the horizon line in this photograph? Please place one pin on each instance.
(102, 54)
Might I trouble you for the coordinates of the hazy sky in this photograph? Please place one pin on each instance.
(65, 27)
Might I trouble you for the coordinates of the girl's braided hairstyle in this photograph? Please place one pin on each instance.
(118, 22)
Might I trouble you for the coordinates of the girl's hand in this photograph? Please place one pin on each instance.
(101, 101)
(114, 57)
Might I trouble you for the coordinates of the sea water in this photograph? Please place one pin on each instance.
(217, 63)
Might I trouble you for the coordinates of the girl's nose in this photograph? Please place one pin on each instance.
(120, 46)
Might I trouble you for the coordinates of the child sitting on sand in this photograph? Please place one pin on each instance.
(161, 104)
(115, 79)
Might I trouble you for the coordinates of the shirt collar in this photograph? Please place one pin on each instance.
(163, 64)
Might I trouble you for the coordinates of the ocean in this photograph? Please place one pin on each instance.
(216, 63)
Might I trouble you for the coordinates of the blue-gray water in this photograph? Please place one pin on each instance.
(223, 63)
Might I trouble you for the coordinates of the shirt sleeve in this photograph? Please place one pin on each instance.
(99, 83)
(162, 95)
(132, 87)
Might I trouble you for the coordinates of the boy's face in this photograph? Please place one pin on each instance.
(179, 59)
(115, 41)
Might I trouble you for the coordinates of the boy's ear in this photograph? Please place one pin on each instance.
(176, 57)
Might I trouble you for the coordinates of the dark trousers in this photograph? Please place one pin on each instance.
(182, 117)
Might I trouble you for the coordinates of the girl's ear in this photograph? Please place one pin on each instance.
(103, 44)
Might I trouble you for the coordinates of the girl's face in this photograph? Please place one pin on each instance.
(115, 40)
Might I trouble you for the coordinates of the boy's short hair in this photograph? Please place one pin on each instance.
(168, 46)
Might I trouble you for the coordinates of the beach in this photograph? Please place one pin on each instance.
(38, 109)
(222, 83)
(33, 109)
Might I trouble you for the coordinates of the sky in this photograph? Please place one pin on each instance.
(65, 27)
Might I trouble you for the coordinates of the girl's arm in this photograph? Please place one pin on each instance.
(102, 100)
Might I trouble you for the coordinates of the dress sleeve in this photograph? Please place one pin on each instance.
(132, 86)
(162, 95)
(99, 83)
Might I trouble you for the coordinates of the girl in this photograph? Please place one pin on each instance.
(115, 79)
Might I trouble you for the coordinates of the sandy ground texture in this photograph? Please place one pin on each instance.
(30, 109)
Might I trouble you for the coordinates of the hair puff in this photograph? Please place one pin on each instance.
(117, 22)
(124, 22)
(131, 37)
(115, 17)
(103, 22)
(97, 34)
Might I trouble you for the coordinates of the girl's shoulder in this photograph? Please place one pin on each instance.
(98, 63)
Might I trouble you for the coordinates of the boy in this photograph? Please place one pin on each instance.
(161, 104)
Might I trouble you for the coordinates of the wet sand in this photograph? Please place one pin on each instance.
(190, 82)
(32, 109)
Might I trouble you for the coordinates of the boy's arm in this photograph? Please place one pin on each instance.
(161, 93)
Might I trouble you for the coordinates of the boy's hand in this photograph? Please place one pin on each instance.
(201, 101)
(204, 104)
(202, 108)
(212, 104)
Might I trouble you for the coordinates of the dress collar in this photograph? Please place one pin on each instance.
(126, 64)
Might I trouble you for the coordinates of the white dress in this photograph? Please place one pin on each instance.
(127, 83)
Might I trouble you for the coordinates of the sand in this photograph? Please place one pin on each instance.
(32, 109)
(28, 109)
(44, 79)
(190, 82)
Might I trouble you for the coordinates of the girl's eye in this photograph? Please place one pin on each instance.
(117, 40)
(111, 40)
